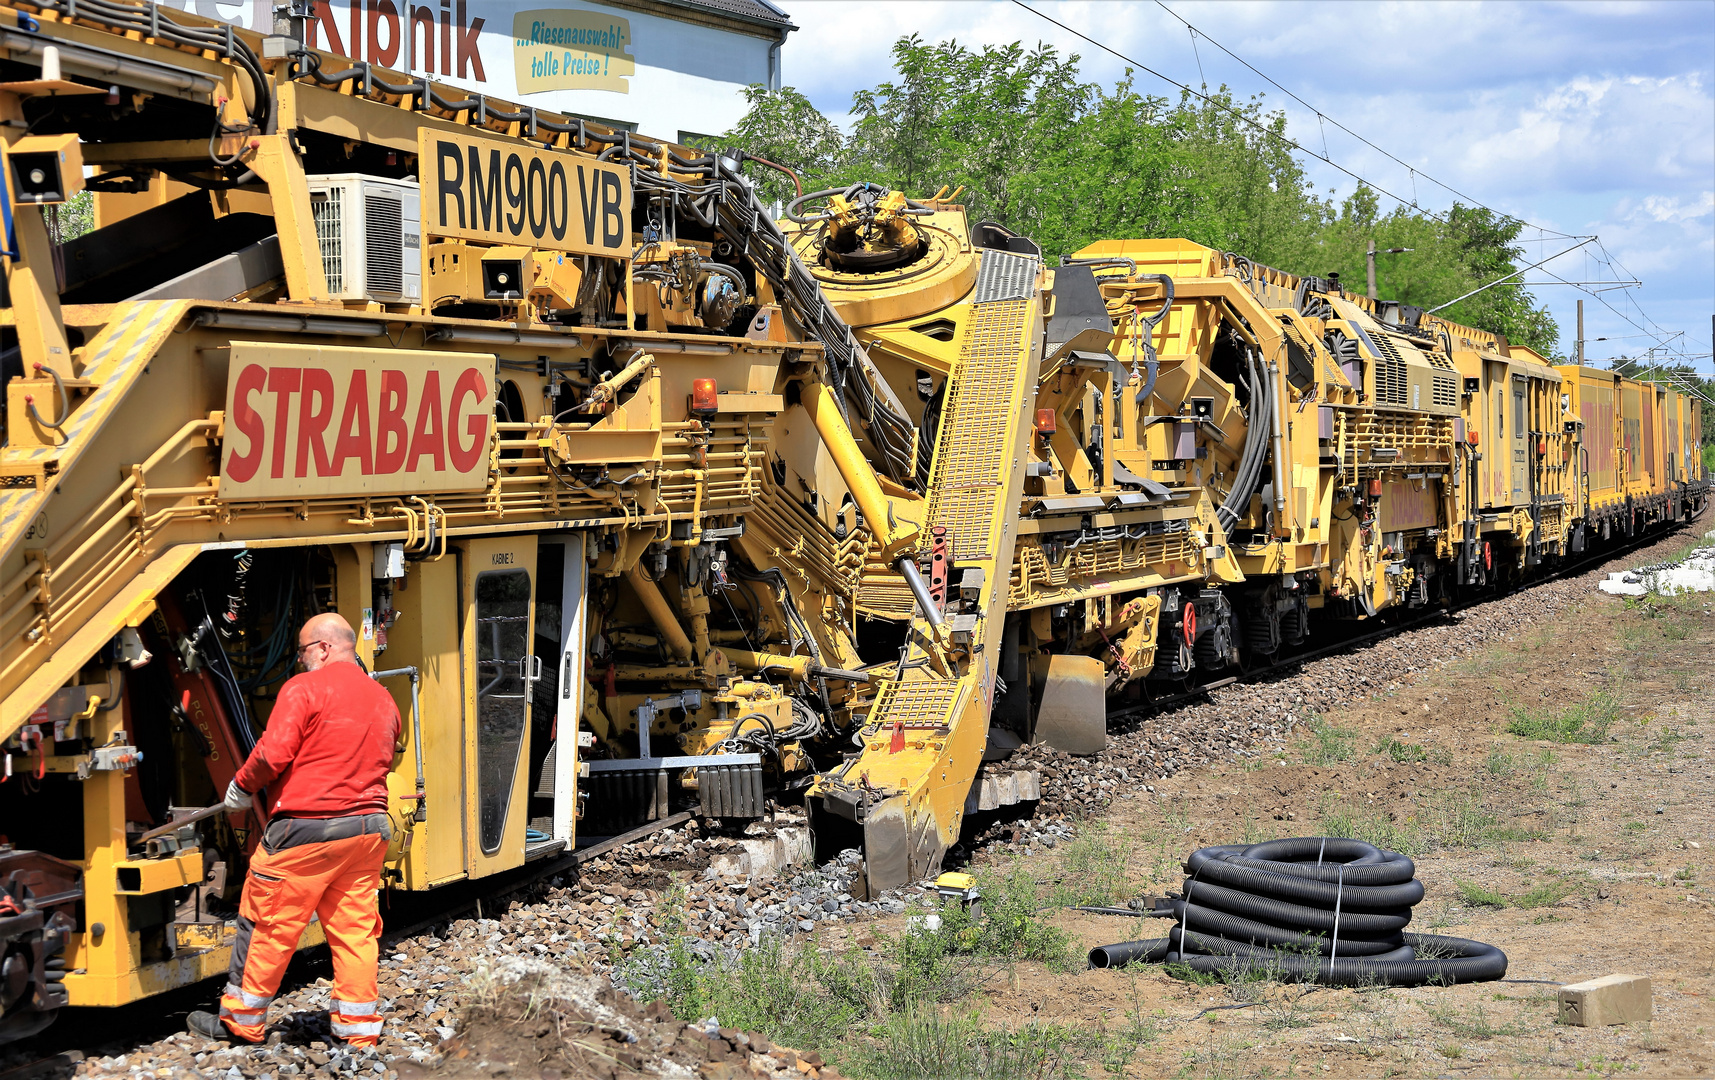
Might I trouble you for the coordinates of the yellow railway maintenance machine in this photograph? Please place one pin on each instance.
(641, 502)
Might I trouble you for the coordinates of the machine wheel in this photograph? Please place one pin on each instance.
(38, 902)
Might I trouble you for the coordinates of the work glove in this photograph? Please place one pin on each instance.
(237, 798)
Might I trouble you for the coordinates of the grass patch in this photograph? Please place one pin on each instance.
(1329, 744)
(1459, 820)
(1454, 819)
(1401, 752)
(1660, 740)
(1512, 834)
(1586, 722)
(1092, 868)
(918, 1043)
(1500, 763)
(1119, 1048)
(1342, 818)
(1473, 1023)
(890, 997)
(1476, 896)
(1188, 974)
(1546, 894)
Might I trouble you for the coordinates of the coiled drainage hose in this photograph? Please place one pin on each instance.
(1319, 909)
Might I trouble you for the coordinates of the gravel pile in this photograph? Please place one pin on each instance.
(536, 1018)
(609, 914)
(608, 922)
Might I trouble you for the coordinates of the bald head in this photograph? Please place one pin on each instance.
(326, 639)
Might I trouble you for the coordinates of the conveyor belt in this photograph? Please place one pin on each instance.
(929, 726)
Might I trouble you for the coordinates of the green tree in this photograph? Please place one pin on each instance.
(1067, 162)
(782, 126)
(71, 219)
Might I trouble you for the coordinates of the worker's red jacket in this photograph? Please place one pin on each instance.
(330, 742)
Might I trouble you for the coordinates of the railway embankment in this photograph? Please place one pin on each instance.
(1543, 756)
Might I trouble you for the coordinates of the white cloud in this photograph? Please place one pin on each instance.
(1672, 209)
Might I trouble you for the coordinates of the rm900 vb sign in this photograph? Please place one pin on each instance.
(504, 193)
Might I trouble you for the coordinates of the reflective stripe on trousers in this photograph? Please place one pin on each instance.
(336, 881)
(351, 1020)
(240, 1009)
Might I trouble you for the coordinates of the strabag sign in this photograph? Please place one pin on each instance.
(507, 193)
(311, 421)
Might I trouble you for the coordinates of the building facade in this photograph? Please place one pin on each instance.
(672, 69)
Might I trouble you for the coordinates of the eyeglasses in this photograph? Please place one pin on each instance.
(306, 645)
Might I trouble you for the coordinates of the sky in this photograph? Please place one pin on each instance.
(1581, 118)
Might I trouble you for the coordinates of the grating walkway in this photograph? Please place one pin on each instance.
(972, 486)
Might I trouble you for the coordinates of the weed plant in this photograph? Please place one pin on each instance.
(1329, 744)
(894, 994)
(1403, 753)
(920, 1042)
(1093, 868)
(1586, 722)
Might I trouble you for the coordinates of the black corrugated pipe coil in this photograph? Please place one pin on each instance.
(1318, 909)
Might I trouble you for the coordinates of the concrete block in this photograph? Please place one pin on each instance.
(729, 865)
(1029, 786)
(1006, 788)
(792, 847)
(1612, 999)
(762, 856)
(989, 797)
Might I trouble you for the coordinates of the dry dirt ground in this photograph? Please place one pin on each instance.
(1580, 855)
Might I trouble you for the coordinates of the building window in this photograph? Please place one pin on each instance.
(617, 125)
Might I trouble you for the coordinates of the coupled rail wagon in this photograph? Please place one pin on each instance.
(640, 500)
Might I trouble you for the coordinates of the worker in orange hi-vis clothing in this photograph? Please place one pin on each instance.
(332, 738)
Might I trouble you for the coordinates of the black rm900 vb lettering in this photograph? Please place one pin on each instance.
(500, 191)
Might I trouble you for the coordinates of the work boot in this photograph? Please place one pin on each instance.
(207, 1025)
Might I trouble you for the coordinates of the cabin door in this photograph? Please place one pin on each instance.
(1520, 440)
(500, 673)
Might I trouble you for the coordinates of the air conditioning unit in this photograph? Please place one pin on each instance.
(370, 236)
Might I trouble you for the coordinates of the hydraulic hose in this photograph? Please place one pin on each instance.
(1146, 331)
(1325, 909)
(1255, 450)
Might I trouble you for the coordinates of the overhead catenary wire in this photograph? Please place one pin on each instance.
(1234, 113)
(1323, 117)
(1326, 156)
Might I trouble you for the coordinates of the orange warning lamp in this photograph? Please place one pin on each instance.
(705, 397)
(1471, 436)
(1046, 424)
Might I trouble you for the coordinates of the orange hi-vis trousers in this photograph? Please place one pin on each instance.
(329, 868)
